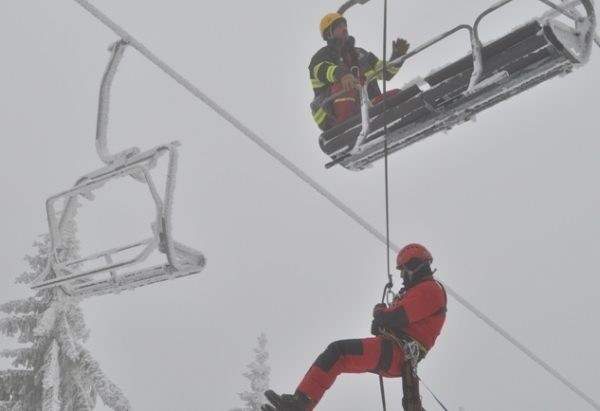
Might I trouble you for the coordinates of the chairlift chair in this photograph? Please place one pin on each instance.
(537, 51)
(121, 267)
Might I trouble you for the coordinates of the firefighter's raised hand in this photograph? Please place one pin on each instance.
(399, 48)
(349, 82)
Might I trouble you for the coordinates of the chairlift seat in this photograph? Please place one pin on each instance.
(525, 57)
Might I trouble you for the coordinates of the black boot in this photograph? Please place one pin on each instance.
(286, 402)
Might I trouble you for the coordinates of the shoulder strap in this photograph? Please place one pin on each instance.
(443, 309)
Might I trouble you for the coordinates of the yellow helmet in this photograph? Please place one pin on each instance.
(329, 20)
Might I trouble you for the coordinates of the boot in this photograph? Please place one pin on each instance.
(287, 402)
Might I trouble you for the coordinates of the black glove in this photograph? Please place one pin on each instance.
(378, 307)
(375, 324)
(375, 328)
(399, 48)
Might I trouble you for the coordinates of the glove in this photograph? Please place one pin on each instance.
(349, 82)
(375, 328)
(375, 324)
(399, 48)
(379, 307)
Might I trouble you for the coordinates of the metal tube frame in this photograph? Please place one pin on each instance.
(117, 49)
(476, 47)
(162, 239)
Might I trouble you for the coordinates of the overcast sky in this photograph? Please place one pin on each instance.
(508, 205)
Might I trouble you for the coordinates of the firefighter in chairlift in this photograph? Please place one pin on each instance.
(403, 333)
(340, 65)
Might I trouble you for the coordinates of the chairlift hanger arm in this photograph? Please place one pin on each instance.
(117, 49)
(349, 4)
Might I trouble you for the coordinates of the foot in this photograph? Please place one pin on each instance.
(286, 402)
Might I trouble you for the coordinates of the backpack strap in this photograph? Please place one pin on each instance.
(443, 309)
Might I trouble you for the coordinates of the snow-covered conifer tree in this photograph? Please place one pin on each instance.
(258, 374)
(53, 371)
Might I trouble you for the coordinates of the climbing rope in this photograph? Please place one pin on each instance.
(390, 283)
(385, 145)
(321, 190)
(433, 395)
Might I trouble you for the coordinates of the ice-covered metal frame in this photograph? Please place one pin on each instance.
(122, 267)
(535, 52)
(115, 268)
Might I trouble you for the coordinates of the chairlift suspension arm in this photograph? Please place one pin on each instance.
(117, 49)
(349, 4)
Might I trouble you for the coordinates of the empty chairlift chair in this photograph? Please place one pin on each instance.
(126, 266)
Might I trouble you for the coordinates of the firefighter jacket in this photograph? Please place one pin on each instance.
(332, 62)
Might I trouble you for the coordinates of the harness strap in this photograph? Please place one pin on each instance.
(414, 351)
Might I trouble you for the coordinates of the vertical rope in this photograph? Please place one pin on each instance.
(385, 147)
(389, 284)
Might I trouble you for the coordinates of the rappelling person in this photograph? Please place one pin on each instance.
(403, 333)
(340, 65)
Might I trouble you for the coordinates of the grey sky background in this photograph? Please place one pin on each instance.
(508, 204)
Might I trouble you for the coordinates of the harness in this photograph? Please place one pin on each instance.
(414, 352)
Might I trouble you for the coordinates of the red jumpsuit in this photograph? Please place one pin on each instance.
(419, 313)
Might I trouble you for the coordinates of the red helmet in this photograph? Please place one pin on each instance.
(410, 251)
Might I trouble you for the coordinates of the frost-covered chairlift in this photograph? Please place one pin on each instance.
(122, 267)
(535, 52)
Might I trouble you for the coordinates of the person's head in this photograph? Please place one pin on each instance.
(414, 262)
(333, 26)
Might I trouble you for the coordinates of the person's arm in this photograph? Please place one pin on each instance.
(375, 64)
(419, 303)
(324, 71)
